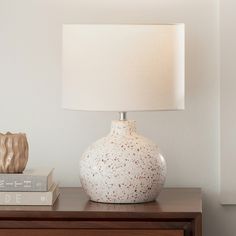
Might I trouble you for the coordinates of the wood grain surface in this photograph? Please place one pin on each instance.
(176, 212)
(54, 232)
(74, 203)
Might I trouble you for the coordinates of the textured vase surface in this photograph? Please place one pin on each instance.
(13, 152)
(123, 167)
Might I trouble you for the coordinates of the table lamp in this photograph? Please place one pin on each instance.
(123, 67)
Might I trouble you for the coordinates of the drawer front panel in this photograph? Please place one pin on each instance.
(76, 232)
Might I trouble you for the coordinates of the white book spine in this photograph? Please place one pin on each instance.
(21, 182)
(29, 198)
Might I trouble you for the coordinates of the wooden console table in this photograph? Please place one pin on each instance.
(177, 212)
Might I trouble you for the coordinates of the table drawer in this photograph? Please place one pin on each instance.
(94, 232)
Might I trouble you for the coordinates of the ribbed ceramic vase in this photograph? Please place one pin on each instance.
(123, 167)
(13, 152)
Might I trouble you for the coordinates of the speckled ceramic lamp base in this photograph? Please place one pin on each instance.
(123, 167)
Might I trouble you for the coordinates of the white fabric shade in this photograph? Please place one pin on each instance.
(109, 67)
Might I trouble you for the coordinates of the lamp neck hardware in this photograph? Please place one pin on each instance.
(122, 115)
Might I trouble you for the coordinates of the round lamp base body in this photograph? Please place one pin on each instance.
(123, 167)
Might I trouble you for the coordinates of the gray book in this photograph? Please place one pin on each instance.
(31, 180)
(30, 198)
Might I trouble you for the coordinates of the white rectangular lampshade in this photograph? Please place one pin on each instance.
(109, 67)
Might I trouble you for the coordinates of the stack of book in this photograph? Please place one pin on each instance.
(32, 187)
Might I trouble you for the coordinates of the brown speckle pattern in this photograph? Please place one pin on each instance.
(122, 167)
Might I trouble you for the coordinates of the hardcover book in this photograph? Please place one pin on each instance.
(31, 180)
(30, 198)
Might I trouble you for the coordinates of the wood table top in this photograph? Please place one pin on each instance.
(74, 203)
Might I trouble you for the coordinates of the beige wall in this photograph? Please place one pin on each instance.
(228, 100)
(30, 92)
